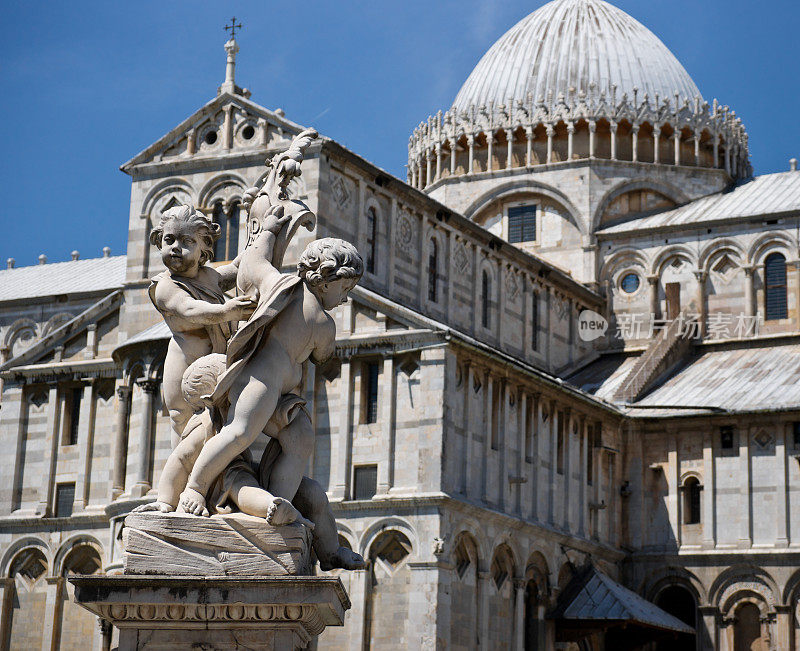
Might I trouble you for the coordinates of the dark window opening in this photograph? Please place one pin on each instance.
(65, 498)
(590, 456)
(370, 392)
(248, 132)
(775, 287)
(535, 321)
(691, 501)
(486, 286)
(433, 269)
(365, 482)
(726, 437)
(227, 246)
(72, 415)
(372, 231)
(495, 422)
(560, 444)
(796, 434)
(210, 137)
(522, 224)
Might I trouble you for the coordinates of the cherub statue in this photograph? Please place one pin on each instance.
(265, 358)
(189, 295)
(240, 486)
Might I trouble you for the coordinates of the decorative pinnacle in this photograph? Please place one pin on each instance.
(231, 48)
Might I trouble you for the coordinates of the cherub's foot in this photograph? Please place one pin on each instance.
(192, 502)
(282, 512)
(344, 558)
(163, 507)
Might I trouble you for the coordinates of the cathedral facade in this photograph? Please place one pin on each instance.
(566, 410)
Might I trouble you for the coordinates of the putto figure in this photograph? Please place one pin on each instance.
(227, 382)
(189, 295)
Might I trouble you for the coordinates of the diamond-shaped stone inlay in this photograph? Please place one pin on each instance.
(763, 439)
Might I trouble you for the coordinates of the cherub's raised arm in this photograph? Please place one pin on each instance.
(173, 301)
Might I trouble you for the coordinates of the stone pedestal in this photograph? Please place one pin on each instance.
(266, 613)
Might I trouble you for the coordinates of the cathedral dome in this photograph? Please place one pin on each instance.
(580, 45)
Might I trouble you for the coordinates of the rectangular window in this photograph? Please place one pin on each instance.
(535, 321)
(365, 482)
(72, 412)
(796, 435)
(495, 423)
(560, 444)
(726, 437)
(369, 391)
(65, 498)
(522, 224)
(530, 411)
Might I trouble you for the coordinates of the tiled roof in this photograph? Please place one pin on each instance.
(594, 597)
(741, 378)
(73, 277)
(769, 194)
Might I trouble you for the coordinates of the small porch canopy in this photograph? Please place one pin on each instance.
(594, 603)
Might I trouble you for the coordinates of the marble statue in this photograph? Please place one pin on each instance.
(228, 380)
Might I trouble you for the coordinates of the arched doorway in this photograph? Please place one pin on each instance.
(679, 602)
(747, 629)
(531, 616)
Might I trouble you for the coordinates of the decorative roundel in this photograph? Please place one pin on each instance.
(208, 136)
(629, 283)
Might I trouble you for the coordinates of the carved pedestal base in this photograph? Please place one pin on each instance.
(174, 544)
(264, 613)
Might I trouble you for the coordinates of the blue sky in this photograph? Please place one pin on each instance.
(89, 84)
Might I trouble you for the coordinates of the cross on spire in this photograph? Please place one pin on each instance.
(233, 27)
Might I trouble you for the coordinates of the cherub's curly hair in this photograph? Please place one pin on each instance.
(200, 379)
(207, 231)
(329, 259)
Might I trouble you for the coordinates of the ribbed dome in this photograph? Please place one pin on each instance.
(573, 44)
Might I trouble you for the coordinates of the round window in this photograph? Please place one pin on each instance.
(248, 132)
(629, 283)
(210, 137)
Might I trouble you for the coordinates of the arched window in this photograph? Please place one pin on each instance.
(372, 231)
(691, 501)
(775, 287)
(486, 285)
(680, 603)
(433, 269)
(227, 246)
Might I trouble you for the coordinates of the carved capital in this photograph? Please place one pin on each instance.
(148, 385)
(123, 392)
(653, 279)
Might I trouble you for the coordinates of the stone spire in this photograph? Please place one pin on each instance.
(231, 49)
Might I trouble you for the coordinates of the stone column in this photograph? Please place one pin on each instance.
(745, 514)
(191, 142)
(716, 150)
(550, 133)
(227, 128)
(727, 158)
(656, 136)
(483, 617)
(570, 139)
(488, 410)
(453, 152)
(143, 483)
(709, 492)
(503, 418)
(697, 148)
(471, 145)
(584, 442)
(566, 520)
(438, 161)
(91, 341)
(652, 281)
(429, 165)
(489, 147)
(45, 507)
(120, 441)
(635, 143)
(749, 297)
(509, 147)
(551, 514)
(781, 492)
(529, 146)
(613, 127)
(700, 298)
(341, 452)
(784, 628)
(51, 618)
(592, 129)
(387, 446)
(677, 138)
(708, 628)
(533, 410)
(468, 375)
(673, 473)
(519, 614)
(85, 437)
